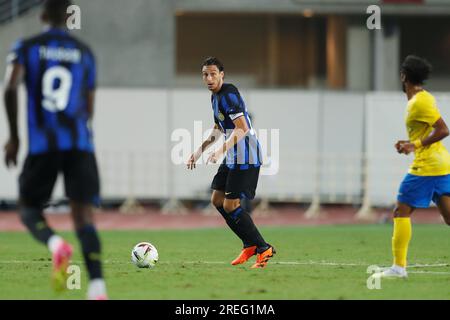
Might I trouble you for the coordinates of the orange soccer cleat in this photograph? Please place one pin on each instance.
(245, 254)
(264, 257)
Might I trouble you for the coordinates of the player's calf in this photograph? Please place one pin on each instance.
(447, 221)
(90, 244)
(445, 216)
(444, 208)
(246, 227)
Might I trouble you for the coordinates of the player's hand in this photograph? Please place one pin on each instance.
(399, 143)
(11, 150)
(192, 160)
(407, 148)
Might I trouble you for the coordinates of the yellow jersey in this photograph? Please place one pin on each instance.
(421, 114)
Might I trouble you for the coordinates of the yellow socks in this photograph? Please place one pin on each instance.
(400, 240)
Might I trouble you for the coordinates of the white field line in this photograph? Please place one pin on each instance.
(299, 263)
(429, 272)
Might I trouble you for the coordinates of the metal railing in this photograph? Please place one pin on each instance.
(11, 9)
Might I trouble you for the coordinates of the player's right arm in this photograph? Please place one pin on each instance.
(212, 138)
(13, 77)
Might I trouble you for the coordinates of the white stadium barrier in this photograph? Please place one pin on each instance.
(333, 147)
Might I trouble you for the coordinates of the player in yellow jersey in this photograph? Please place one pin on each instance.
(428, 177)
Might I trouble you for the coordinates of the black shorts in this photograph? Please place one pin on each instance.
(39, 173)
(236, 184)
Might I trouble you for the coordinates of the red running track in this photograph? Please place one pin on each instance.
(154, 219)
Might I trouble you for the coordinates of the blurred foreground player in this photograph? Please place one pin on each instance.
(59, 73)
(237, 176)
(428, 178)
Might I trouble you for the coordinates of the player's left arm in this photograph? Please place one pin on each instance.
(13, 77)
(440, 131)
(240, 130)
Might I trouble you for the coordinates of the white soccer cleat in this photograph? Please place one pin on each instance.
(394, 272)
(97, 290)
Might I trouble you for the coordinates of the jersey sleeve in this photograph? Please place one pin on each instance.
(16, 54)
(425, 110)
(232, 103)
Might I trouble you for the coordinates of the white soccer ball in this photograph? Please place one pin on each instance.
(144, 255)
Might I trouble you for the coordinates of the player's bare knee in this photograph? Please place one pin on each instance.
(402, 210)
(217, 200)
(231, 204)
(401, 214)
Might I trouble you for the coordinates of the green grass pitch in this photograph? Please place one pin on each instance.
(326, 262)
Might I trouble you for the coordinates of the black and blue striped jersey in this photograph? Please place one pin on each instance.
(59, 72)
(228, 105)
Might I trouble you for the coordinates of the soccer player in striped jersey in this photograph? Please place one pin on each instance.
(428, 178)
(59, 73)
(237, 176)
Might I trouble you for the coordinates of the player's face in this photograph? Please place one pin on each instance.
(212, 77)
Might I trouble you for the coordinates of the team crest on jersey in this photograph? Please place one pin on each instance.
(221, 116)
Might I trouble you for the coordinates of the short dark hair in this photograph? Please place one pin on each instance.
(213, 61)
(56, 10)
(416, 69)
